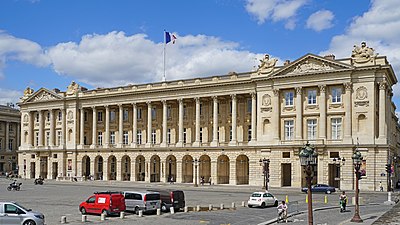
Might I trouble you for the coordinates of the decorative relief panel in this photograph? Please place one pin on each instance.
(336, 106)
(311, 67)
(44, 96)
(361, 93)
(266, 100)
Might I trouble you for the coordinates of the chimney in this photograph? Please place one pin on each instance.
(330, 57)
(287, 62)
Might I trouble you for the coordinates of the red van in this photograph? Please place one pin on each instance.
(109, 203)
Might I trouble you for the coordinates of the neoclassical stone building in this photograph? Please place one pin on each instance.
(220, 127)
(10, 120)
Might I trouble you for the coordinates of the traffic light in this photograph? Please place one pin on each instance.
(388, 168)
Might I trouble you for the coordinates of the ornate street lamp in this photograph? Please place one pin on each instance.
(196, 163)
(308, 158)
(265, 163)
(357, 159)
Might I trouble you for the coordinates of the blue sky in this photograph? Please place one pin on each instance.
(103, 43)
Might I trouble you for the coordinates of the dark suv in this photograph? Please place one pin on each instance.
(171, 198)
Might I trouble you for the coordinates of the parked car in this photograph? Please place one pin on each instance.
(171, 198)
(320, 188)
(109, 203)
(148, 201)
(12, 213)
(262, 199)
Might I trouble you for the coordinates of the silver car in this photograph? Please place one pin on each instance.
(145, 201)
(11, 213)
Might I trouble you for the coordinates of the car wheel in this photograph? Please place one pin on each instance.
(164, 208)
(18, 188)
(328, 191)
(276, 203)
(250, 206)
(83, 210)
(8, 188)
(137, 210)
(263, 205)
(29, 222)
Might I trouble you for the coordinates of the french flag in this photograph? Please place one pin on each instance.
(169, 37)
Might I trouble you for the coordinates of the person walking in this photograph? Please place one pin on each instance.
(380, 186)
(343, 201)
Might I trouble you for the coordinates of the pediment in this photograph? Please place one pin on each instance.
(311, 64)
(43, 95)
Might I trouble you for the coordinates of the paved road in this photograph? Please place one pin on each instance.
(56, 199)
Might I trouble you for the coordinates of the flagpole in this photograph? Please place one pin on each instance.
(164, 79)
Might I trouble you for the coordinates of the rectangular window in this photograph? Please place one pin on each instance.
(126, 115)
(125, 138)
(100, 138)
(1, 144)
(230, 107)
(312, 97)
(59, 136)
(312, 129)
(289, 128)
(289, 98)
(139, 137)
(99, 116)
(153, 136)
(218, 134)
(10, 144)
(112, 115)
(249, 105)
(47, 138)
(336, 95)
(218, 108)
(169, 112)
(59, 115)
(112, 137)
(153, 114)
(336, 128)
(169, 136)
(48, 117)
(139, 113)
(184, 135)
(201, 109)
(249, 133)
(10, 128)
(36, 138)
(285, 154)
(85, 116)
(201, 134)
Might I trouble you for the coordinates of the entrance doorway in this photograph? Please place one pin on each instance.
(33, 170)
(334, 175)
(55, 170)
(286, 178)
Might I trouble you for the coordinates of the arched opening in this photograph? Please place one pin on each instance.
(140, 168)
(112, 168)
(126, 168)
(155, 168)
(86, 166)
(361, 122)
(69, 135)
(187, 169)
(205, 168)
(266, 126)
(242, 169)
(26, 137)
(171, 168)
(223, 170)
(98, 168)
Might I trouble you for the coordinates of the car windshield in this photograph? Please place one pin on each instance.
(21, 207)
(256, 195)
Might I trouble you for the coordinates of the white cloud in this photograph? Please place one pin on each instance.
(116, 59)
(9, 96)
(275, 10)
(379, 27)
(320, 20)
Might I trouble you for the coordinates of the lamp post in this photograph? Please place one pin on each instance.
(357, 159)
(265, 163)
(195, 172)
(308, 158)
(338, 162)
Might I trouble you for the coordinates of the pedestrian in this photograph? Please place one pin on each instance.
(282, 211)
(171, 180)
(380, 186)
(209, 180)
(343, 201)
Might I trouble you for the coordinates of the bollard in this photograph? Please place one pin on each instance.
(389, 196)
(233, 206)
(84, 218)
(306, 198)
(172, 210)
(243, 204)
(122, 215)
(103, 217)
(326, 199)
(158, 212)
(185, 209)
(63, 219)
(210, 207)
(197, 208)
(222, 206)
(140, 213)
(287, 199)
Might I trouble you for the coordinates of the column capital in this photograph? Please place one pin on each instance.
(180, 100)
(382, 85)
(93, 107)
(253, 94)
(164, 102)
(322, 88)
(106, 106)
(197, 99)
(348, 86)
(298, 90)
(148, 103)
(120, 106)
(276, 92)
(233, 96)
(215, 98)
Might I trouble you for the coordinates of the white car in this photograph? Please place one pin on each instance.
(262, 199)
(11, 213)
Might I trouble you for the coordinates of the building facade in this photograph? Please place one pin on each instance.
(220, 128)
(9, 138)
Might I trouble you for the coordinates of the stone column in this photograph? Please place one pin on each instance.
(164, 124)
(234, 120)
(63, 127)
(18, 135)
(134, 125)
(119, 170)
(31, 116)
(197, 131)
(276, 115)
(348, 117)
(299, 114)
(215, 140)
(106, 135)
(120, 126)
(52, 128)
(322, 112)
(82, 127)
(178, 171)
(105, 169)
(92, 163)
(49, 166)
(133, 170)
(94, 128)
(149, 121)
(41, 129)
(180, 124)
(7, 131)
(382, 110)
(253, 117)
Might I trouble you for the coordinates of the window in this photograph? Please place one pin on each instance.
(285, 154)
(184, 111)
(336, 128)
(153, 136)
(218, 108)
(85, 116)
(36, 138)
(169, 112)
(249, 105)
(10, 144)
(112, 137)
(230, 107)
(336, 95)
(184, 135)
(169, 136)
(289, 128)
(153, 114)
(312, 97)
(230, 133)
(48, 117)
(100, 138)
(218, 134)
(139, 113)
(112, 115)
(312, 129)
(139, 137)
(47, 138)
(249, 133)
(10, 128)
(37, 117)
(59, 135)
(99, 116)
(126, 115)
(1, 144)
(125, 138)
(289, 98)
(201, 109)
(201, 134)
(12, 209)
(60, 116)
